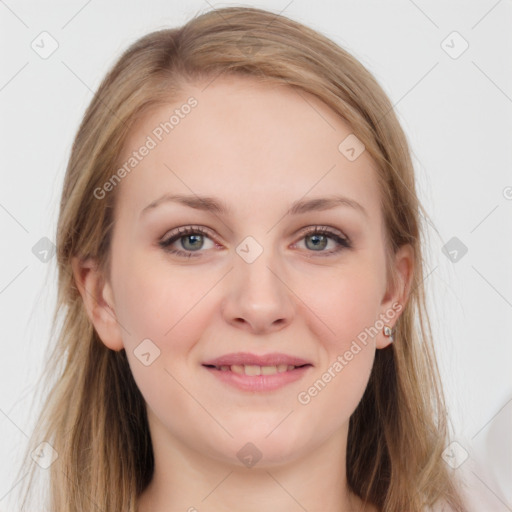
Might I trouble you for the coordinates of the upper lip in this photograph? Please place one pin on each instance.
(246, 358)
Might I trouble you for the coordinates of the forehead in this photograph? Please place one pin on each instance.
(246, 142)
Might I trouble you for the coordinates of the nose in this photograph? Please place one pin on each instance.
(258, 299)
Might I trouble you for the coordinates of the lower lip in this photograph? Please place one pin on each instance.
(259, 382)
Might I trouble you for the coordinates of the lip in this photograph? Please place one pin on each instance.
(257, 383)
(246, 358)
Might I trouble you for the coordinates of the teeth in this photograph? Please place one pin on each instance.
(268, 370)
(251, 369)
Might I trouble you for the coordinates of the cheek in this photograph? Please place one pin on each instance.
(346, 303)
(334, 393)
(348, 353)
(165, 308)
(155, 303)
(348, 309)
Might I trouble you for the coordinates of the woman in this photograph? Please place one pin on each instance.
(241, 279)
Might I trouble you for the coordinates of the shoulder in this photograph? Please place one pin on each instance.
(475, 496)
(440, 506)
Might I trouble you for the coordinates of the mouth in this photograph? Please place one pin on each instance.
(250, 372)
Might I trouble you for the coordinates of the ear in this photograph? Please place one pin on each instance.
(98, 300)
(397, 294)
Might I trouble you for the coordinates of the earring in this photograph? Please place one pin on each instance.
(388, 332)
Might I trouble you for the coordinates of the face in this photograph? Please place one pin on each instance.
(190, 284)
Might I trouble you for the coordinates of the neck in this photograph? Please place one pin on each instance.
(187, 480)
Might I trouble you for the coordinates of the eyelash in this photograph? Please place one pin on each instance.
(343, 243)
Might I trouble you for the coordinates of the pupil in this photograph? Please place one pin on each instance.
(193, 237)
(320, 244)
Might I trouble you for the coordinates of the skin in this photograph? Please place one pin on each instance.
(258, 148)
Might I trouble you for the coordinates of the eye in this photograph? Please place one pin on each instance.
(192, 240)
(317, 238)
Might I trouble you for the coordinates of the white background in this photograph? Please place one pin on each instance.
(456, 112)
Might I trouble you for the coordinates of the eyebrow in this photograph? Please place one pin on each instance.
(216, 206)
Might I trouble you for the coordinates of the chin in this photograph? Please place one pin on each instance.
(257, 449)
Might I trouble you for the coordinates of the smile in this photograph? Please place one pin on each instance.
(257, 378)
(251, 369)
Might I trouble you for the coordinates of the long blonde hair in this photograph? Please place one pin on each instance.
(95, 416)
